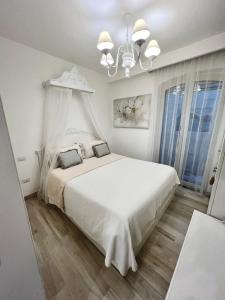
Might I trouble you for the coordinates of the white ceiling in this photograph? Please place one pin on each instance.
(69, 28)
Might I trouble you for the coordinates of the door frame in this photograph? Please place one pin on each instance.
(220, 162)
(219, 127)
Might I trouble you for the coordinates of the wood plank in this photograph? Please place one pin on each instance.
(73, 268)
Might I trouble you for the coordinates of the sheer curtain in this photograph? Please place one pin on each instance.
(189, 105)
(58, 104)
(56, 110)
(89, 106)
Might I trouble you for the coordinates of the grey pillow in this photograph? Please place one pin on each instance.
(101, 150)
(69, 158)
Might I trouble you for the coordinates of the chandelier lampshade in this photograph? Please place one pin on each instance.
(107, 60)
(105, 42)
(110, 59)
(131, 52)
(152, 49)
(140, 31)
(103, 60)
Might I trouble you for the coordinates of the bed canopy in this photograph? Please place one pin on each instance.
(70, 80)
(58, 101)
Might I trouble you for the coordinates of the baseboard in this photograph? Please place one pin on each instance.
(33, 195)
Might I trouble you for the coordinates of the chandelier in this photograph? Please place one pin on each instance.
(131, 52)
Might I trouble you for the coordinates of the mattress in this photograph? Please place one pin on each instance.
(115, 203)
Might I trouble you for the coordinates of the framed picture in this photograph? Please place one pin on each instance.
(132, 112)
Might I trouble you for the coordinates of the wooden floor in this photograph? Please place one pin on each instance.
(72, 268)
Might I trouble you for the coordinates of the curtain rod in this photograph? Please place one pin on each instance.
(67, 86)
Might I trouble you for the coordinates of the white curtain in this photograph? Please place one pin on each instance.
(189, 104)
(58, 104)
(89, 106)
(56, 110)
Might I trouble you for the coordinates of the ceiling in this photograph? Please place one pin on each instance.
(69, 28)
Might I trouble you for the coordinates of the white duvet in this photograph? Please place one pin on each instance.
(115, 203)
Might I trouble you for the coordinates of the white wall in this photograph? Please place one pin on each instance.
(22, 71)
(19, 275)
(135, 143)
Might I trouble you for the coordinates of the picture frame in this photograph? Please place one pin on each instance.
(132, 112)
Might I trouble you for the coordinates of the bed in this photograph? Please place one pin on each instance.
(116, 201)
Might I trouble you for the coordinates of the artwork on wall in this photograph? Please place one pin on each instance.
(132, 112)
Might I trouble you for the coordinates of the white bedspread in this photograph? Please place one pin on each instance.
(113, 205)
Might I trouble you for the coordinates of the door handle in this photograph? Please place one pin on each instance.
(215, 169)
(212, 180)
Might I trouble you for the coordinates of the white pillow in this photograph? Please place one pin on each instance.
(88, 147)
(81, 150)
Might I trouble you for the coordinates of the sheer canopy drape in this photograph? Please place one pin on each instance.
(189, 109)
(57, 108)
(89, 107)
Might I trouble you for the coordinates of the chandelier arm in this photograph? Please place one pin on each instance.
(146, 67)
(116, 64)
(133, 52)
(111, 75)
(138, 51)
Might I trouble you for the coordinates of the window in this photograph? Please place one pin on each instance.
(206, 95)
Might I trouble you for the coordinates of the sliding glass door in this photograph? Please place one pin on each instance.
(187, 129)
(205, 102)
(174, 99)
